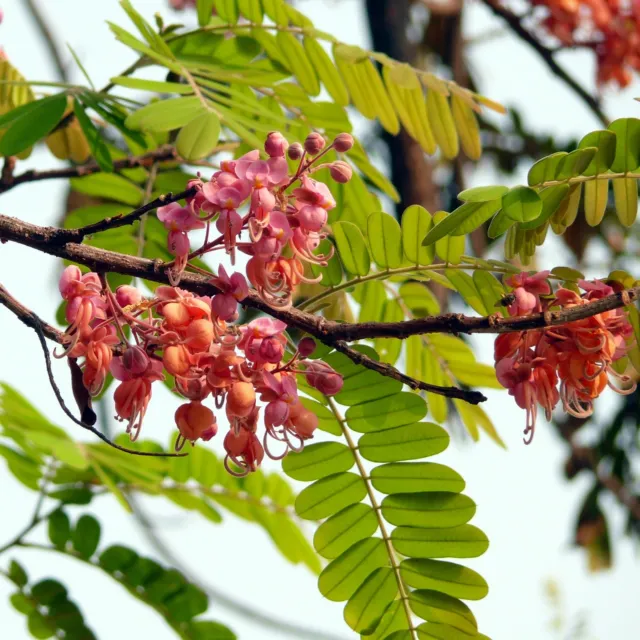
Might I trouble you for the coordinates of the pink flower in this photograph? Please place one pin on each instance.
(527, 291)
(314, 193)
(261, 173)
(177, 218)
(280, 393)
(235, 289)
(322, 377)
(274, 236)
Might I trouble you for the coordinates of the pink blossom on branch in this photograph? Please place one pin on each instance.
(216, 364)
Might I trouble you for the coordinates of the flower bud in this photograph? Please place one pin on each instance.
(276, 144)
(135, 360)
(295, 151)
(176, 360)
(343, 142)
(271, 350)
(127, 296)
(175, 314)
(322, 377)
(306, 346)
(340, 171)
(312, 218)
(67, 284)
(200, 334)
(314, 143)
(193, 419)
(305, 423)
(241, 399)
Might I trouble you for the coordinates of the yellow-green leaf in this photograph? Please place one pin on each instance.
(442, 124)
(198, 138)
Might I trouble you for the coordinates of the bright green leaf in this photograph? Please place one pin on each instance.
(334, 536)
(316, 461)
(409, 442)
(328, 495)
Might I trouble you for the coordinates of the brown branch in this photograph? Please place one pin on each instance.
(473, 397)
(78, 235)
(546, 54)
(53, 241)
(161, 154)
(43, 331)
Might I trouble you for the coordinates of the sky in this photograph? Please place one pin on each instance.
(524, 504)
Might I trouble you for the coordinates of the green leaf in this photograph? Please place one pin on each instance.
(39, 627)
(416, 223)
(419, 299)
(442, 124)
(475, 374)
(342, 576)
(48, 591)
(400, 409)
(351, 248)
(522, 204)
(367, 605)
(605, 143)
(409, 442)
(99, 149)
(227, 10)
(467, 126)
(165, 115)
(86, 536)
(450, 249)
(446, 577)
(296, 57)
(394, 619)
(198, 138)
(326, 71)
(482, 194)
(62, 448)
(326, 419)
(336, 534)
(465, 541)
(489, 288)
(109, 186)
(276, 10)
(430, 510)
(574, 163)
(468, 216)
(328, 495)
(596, 197)
(500, 224)
(625, 195)
(33, 124)
(366, 386)
(209, 630)
(466, 287)
(374, 175)
(627, 131)
(117, 558)
(59, 528)
(152, 85)
(318, 460)
(552, 198)
(545, 169)
(21, 603)
(415, 477)
(439, 607)
(17, 574)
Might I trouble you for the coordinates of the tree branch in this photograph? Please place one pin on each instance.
(9, 181)
(30, 319)
(546, 55)
(473, 397)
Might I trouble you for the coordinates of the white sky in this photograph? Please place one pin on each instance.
(524, 505)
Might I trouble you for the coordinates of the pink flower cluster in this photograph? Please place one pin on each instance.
(578, 355)
(281, 219)
(244, 369)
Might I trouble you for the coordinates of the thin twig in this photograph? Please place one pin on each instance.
(161, 154)
(546, 55)
(33, 321)
(473, 397)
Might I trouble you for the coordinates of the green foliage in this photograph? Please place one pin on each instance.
(47, 608)
(197, 482)
(423, 517)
